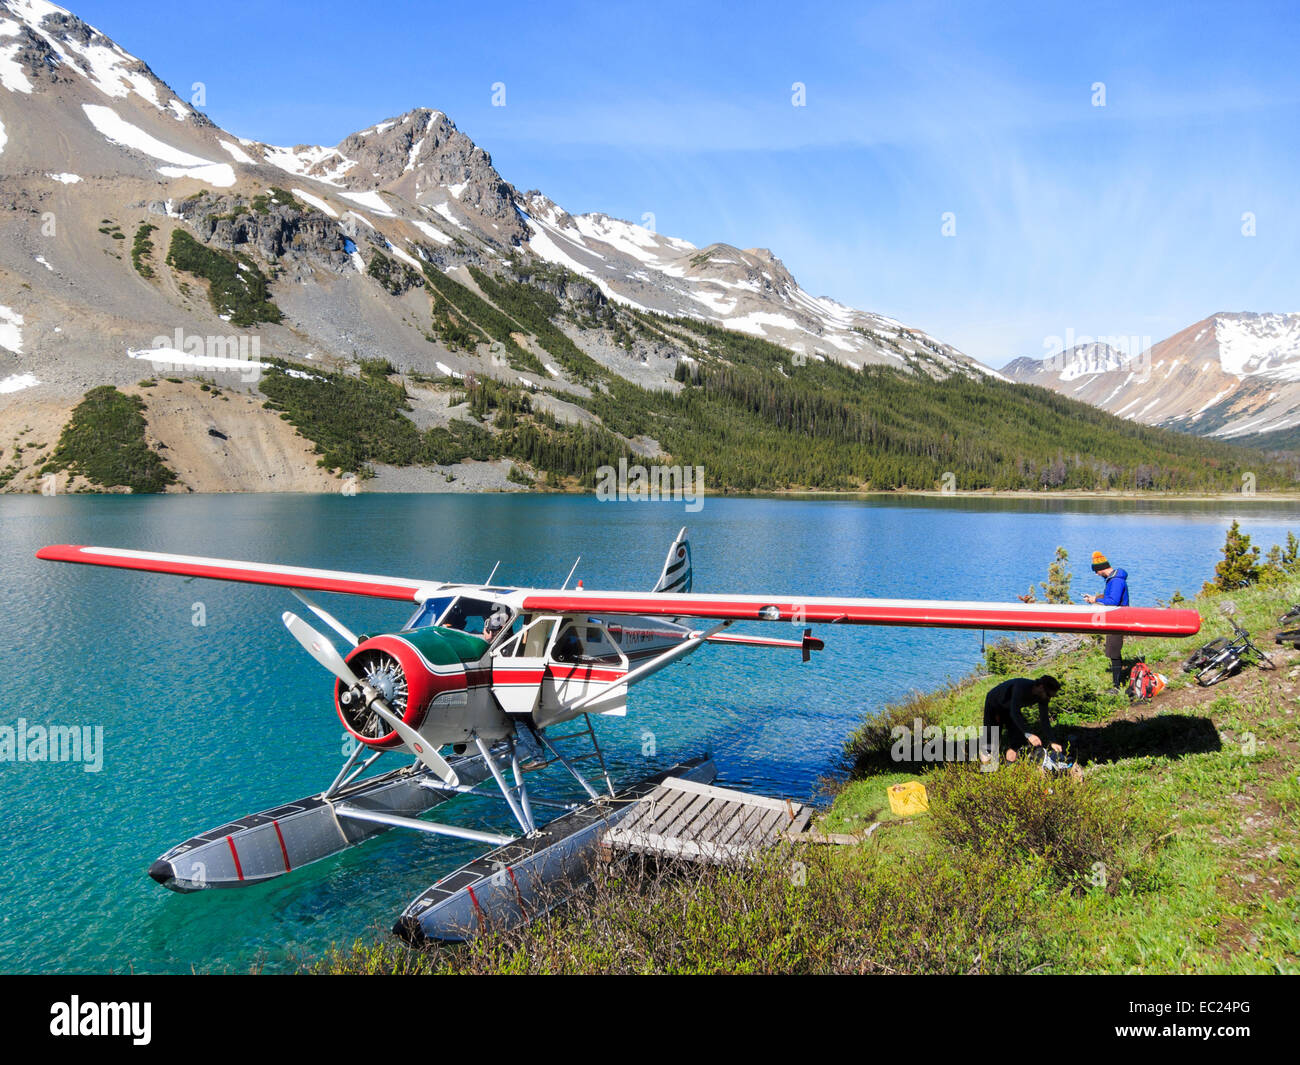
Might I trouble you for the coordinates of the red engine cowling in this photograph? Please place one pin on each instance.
(405, 674)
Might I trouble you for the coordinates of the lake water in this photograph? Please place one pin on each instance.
(206, 723)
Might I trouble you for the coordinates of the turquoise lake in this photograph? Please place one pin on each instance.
(203, 724)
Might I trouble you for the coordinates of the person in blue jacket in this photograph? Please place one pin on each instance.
(1114, 594)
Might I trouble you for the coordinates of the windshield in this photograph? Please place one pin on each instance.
(468, 615)
(429, 612)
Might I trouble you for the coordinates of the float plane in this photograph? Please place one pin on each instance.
(471, 691)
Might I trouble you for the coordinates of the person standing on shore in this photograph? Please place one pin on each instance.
(1114, 594)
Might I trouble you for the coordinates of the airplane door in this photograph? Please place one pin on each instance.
(583, 660)
(519, 666)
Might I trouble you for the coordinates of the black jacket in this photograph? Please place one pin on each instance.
(1010, 697)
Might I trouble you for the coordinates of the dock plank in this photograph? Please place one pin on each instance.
(702, 822)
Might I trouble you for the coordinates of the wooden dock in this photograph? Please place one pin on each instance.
(703, 823)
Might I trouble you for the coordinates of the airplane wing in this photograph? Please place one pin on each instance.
(221, 569)
(931, 613)
(800, 610)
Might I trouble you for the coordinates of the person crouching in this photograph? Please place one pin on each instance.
(1004, 723)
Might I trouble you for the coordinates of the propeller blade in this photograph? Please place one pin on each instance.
(423, 751)
(320, 648)
(327, 655)
(326, 617)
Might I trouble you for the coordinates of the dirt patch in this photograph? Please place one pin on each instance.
(228, 442)
(29, 432)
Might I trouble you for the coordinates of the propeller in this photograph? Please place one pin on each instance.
(327, 655)
(326, 617)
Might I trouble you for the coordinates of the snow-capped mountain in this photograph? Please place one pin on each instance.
(1230, 375)
(92, 138)
(1082, 360)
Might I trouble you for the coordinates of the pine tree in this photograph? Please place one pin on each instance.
(1240, 565)
(1056, 589)
(1271, 572)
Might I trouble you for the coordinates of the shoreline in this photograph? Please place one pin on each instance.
(1010, 495)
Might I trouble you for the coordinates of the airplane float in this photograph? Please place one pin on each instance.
(485, 673)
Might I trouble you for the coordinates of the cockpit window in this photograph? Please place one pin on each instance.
(469, 615)
(568, 645)
(429, 612)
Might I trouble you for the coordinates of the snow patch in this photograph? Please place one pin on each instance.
(175, 357)
(405, 256)
(66, 179)
(1259, 344)
(104, 64)
(756, 322)
(17, 382)
(444, 209)
(117, 130)
(12, 75)
(237, 153)
(11, 329)
(308, 162)
(542, 244)
(316, 202)
(432, 232)
(220, 175)
(371, 201)
(410, 157)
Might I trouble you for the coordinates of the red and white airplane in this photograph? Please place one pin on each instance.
(485, 671)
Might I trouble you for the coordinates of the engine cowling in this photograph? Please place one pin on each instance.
(411, 670)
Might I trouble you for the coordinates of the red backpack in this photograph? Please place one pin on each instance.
(1144, 682)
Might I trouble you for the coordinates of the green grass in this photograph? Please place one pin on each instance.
(104, 442)
(1170, 855)
(353, 421)
(261, 203)
(1185, 775)
(534, 309)
(356, 421)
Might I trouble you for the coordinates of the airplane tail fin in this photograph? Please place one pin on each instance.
(676, 575)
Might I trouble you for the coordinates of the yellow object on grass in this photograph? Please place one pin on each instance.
(908, 799)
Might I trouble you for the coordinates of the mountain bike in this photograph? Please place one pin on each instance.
(1292, 635)
(1229, 656)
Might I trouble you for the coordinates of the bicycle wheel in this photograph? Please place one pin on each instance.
(1202, 655)
(1291, 636)
(1222, 667)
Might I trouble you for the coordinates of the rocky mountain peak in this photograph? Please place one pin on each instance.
(423, 157)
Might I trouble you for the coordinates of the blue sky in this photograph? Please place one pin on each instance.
(1122, 220)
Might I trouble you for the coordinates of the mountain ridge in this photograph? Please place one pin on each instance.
(1233, 374)
(142, 239)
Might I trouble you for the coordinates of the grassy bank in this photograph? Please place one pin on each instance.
(1175, 852)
